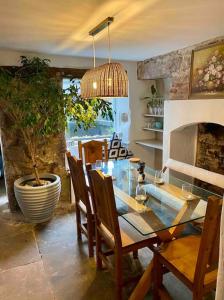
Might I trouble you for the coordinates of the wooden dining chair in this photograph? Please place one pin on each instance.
(192, 259)
(83, 205)
(91, 151)
(119, 236)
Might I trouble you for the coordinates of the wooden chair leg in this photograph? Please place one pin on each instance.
(197, 295)
(98, 250)
(78, 222)
(118, 276)
(135, 254)
(157, 277)
(90, 229)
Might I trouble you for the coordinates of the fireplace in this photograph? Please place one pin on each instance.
(194, 134)
(210, 152)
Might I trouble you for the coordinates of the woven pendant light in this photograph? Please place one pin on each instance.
(108, 80)
(89, 84)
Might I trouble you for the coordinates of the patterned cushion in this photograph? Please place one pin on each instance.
(116, 150)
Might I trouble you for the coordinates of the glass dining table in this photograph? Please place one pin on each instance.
(162, 206)
(166, 208)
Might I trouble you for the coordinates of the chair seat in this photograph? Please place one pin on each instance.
(182, 254)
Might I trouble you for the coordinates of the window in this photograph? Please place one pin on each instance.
(103, 128)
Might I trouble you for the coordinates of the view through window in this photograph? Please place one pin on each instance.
(104, 128)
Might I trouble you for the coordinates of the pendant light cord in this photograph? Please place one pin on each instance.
(94, 53)
(109, 46)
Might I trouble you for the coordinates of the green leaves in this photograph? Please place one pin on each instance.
(85, 111)
(37, 104)
(39, 108)
(32, 99)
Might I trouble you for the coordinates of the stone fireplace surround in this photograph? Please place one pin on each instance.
(181, 115)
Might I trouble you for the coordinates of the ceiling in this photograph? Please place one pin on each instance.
(142, 28)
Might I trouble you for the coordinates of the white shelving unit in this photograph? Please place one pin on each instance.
(153, 129)
(155, 116)
(155, 140)
(152, 143)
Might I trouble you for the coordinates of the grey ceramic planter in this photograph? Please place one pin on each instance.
(38, 203)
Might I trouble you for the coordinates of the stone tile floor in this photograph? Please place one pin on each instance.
(45, 262)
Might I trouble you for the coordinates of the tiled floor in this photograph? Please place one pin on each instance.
(45, 262)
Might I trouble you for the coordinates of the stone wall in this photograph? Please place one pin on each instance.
(176, 66)
(17, 163)
(210, 152)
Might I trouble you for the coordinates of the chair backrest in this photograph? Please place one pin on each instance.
(78, 180)
(105, 206)
(93, 150)
(208, 255)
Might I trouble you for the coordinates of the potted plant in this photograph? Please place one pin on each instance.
(38, 108)
(152, 100)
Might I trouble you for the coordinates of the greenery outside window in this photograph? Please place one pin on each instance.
(104, 128)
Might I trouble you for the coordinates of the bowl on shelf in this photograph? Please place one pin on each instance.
(158, 125)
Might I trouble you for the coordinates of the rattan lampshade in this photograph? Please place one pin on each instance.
(108, 80)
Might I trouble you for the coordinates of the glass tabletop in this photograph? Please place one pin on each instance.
(151, 207)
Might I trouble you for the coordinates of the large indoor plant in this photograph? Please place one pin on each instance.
(38, 108)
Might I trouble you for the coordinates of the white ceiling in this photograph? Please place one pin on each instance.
(142, 28)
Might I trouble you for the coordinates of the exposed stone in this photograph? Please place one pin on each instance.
(17, 162)
(176, 66)
(210, 152)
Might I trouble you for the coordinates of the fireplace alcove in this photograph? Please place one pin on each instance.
(194, 134)
(201, 145)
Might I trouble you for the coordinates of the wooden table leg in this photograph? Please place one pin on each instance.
(163, 293)
(143, 285)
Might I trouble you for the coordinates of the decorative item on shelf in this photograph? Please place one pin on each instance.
(141, 175)
(150, 123)
(158, 125)
(207, 72)
(150, 110)
(160, 110)
(155, 102)
(108, 80)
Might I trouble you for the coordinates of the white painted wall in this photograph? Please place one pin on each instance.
(136, 89)
(183, 145)
(122, 125)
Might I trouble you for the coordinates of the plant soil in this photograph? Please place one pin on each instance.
(33, 182)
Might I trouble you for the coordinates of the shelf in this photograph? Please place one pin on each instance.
(156, 98)
(153, 129)
(158, 116)
(157, 144)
